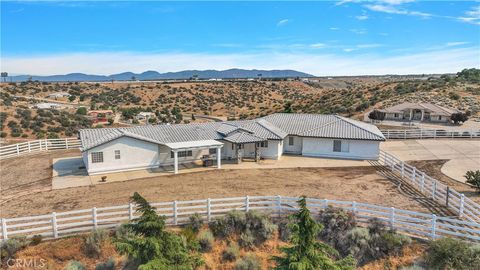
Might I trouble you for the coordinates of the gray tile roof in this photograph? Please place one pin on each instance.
(272, 127)
(429, 107)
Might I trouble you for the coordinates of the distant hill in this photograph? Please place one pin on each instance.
(154, 75)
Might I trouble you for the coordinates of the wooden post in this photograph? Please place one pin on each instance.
(392, 218)
(4, 229)
(403, 169)
(414, 172)
(434, 226)
(130, 211)
(405, 134)
(18, 150)
(29, 147)
(434, 189)
(54, 225)
(446, 197)
(462, 205)
(209, 209)
(279, 205)
(354, 208)
(434, 133)
(422, 188)
(66, 143)
(94, 216)
(175, 213)
(325, 203)
(247, 203)
(46, 144)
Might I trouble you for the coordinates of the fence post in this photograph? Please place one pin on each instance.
(66, 143)
(403, 168)
(447, 196)
(54, 225)
(405, 134)
(279, 205)
(325, 203)
(392, 218)
(46, 144)
(94, 216)
(209, 209)
(434, 189)
(388, 134)
(18, 150)
(434, 133)
(423, 183)
(175, 213)
(462, 205)
(434, 226)
(4, 229)
(421, 133)
(414, 174)
(29, 147)
(354, 208)
(130, 211)
(247, 203)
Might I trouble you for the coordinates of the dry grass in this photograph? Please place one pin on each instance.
(409, 255)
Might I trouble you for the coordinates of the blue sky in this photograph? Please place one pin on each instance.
(322, 38)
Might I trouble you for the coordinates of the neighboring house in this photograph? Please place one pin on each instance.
(100, 116)
(145, 115)
(47, 105)
(332, 136)
(58, 95)
(419, 112)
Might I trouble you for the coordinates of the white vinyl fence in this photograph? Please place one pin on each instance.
(14, 150)
(56, 225)
(430, 187)
(429, 134)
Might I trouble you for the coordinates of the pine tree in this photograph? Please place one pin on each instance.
(150, 246)
(306, 252)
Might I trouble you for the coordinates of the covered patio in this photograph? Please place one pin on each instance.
(183, 147)
(246, 145)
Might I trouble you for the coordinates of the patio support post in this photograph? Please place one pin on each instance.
(175, 161)
(219, 157)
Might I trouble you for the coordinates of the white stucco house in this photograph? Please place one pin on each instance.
(269, 137)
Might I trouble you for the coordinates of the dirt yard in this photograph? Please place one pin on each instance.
(361, 184)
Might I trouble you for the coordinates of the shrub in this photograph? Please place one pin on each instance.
(206, 241)
(447, 253)
(376, 115)
(337, 222)
(473, 178)
(249, 262)
(93, 243)
(189, 238)
(108, 265)
(284, 230)
(232, 222)
(36, 239)
(260, 226)
(123, 232)
(12, 246)
(231, 252)
(459, 118)
(74, 265)
(196, 222)
(357, 243)
(247, 240)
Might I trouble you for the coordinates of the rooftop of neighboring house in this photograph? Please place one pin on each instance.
(272, 127)
(428, 107)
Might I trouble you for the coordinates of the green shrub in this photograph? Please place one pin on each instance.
(36, 239)
(357, 242)
(337, 222)
(247, 240)
(447, 253)
(93, 243)
(473, 178)
(206, 241)
(75, 265)
(189, 238)
(196, 222)
(231, 252)
(12, 246)
(284, 230)
(260, 226)
(249, 262)
(232, 222)
(108, 265)
(123, 232)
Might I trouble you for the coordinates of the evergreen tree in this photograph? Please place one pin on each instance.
(151, 247)
(306, 252)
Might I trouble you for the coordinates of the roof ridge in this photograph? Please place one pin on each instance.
(322, 126)
(360, 127)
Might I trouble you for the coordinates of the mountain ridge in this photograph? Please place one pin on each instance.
(233, 73)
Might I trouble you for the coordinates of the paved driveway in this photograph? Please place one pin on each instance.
(463, 155)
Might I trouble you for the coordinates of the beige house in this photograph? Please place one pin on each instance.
(419, 112)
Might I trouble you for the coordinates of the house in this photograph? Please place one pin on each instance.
(47, 105)
(145, 115)
(58, 95)
(100, 116)
(269, 137)
(419, 112)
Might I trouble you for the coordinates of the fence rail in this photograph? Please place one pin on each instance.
(19, 149)
(57, 225)
(430, 187)
(429, 134)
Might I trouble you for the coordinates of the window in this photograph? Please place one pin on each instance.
(396, 115)
(240, 146)
(97, 157)
(263, 144)
(337, 146)
(117, 154)
(188, 153)
(439, 117)
(290, 141)
(212, 151)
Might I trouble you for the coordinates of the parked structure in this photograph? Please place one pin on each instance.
(118, 149)
(419, 112)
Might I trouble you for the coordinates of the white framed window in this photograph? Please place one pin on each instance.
(212, 151)
(263, 144)
(97, 157)
(117, 154)
(291, 141)
(341, 146)
(188, 153)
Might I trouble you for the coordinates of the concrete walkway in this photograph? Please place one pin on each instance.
(463, 155)
(70, 172)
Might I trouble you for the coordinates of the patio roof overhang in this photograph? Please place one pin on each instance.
(191, 145)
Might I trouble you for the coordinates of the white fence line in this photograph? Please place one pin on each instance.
(57, 225)
(430, 187)
(18, 149)
(429, 134)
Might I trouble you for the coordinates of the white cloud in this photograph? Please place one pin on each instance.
(457, 43)
(362, 17)
(395, 10)
(318, 45)
(439, 61)
(283, 22)
(334, 28)
(358, 31)
(471, 16)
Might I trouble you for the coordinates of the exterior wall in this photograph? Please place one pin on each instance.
(273, 151)
(436, 118)
(134, 154)
(391, 116)
(357, 149)
(164, 155)
(297, 146)
(85, 159)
